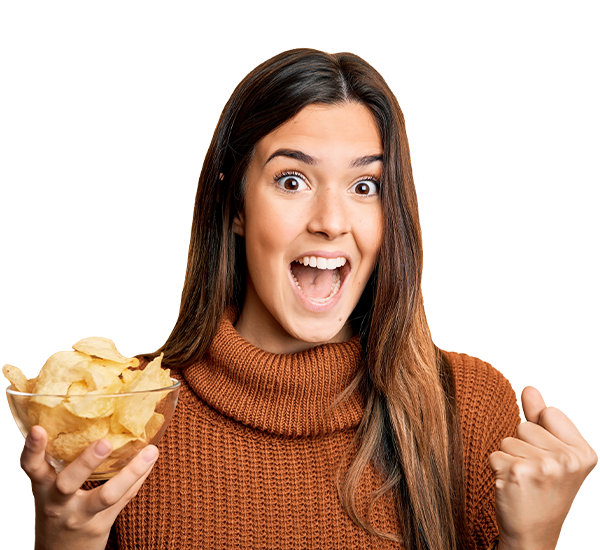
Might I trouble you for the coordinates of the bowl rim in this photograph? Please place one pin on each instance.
(11, 390)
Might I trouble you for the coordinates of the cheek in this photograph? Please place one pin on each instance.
(370, 236)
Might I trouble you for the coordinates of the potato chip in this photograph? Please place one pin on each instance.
(90, 405)
(100, 347)
(153, 426)
(153, 377)
(69, 446)
(120, 440)
(57, 375)
(16, 378)
(56, 420)
(78, 400)
(114, 367)
(93, 404)
(78, 388)
(128, 376)
(133, 414)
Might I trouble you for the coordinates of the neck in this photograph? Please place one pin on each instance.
(268, 334)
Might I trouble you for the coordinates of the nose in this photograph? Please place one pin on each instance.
(329, 216)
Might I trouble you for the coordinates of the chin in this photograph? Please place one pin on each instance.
(323, 334)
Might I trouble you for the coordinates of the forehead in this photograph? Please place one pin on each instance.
(322, 131)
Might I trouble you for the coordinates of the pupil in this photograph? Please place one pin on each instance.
(291, 183)
(362, 188)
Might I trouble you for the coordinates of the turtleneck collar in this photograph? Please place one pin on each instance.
(286, 394)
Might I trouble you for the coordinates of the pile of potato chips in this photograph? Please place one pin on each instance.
(76, 398)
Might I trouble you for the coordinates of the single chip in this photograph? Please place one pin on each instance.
(56, 420)
(90, 405)
(132, 414)
(153, 377)
(69, 446)
(114, 367)
(78, 388)
(103, 348)
(57, 375)
(128, 376)
(31, 384)
(119, 441)
(16, 378)
(102, 380)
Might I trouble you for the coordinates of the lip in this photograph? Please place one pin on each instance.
(320, 307)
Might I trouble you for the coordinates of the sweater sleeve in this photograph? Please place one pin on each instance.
(488, 413)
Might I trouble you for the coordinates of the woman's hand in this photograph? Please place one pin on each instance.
(68, 517)
(538, 475)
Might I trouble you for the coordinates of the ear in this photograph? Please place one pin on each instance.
(238, 225)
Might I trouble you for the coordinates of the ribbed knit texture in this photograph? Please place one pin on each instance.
(250, 457)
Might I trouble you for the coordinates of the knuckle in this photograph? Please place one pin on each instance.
(548, 414)
(95, 529)
(506, 443)
(521, 429)
(518, 472)
(570, 462)
(51, 511)
(106, 497)
(61, 485)
(25, 466)
(515, 472)
(72, 523)
(546, 469)
(590, 458)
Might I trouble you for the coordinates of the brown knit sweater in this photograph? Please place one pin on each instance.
(250, 457)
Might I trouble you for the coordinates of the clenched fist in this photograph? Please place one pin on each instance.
(538, 474)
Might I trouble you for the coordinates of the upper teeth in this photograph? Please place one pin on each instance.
(322, 263)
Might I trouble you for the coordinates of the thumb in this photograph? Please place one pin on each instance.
(533, 404)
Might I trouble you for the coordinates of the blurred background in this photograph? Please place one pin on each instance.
(106, 112)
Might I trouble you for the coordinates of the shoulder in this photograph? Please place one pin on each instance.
(478, 383)
(485, 399)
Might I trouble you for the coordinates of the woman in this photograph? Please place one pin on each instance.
(315, 410)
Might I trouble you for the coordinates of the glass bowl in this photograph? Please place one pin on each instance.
(130, 421)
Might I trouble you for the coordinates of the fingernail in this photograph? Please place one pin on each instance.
(149, 455)
(102, 448)
(35, 436)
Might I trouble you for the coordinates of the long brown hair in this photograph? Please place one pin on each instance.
(410, 425)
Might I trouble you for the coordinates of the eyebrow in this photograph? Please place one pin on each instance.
(365, 161)
(307, 159)
(293, 154)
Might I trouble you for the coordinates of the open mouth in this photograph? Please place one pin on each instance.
(318, 278)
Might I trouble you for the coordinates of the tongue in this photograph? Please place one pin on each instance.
(315, 283)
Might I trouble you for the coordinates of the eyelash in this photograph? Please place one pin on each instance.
(371, 179)
(287, 173)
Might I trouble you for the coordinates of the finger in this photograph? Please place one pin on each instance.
(119, 486)
(533, 403)
(519, 448)
(501, 463)
(33, 457)
(73, 476)
(560, 425)
(539, 436)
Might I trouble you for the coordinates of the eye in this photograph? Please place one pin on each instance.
(368, 187)
(290, 181)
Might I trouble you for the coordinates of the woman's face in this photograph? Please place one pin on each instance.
(312, 224)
